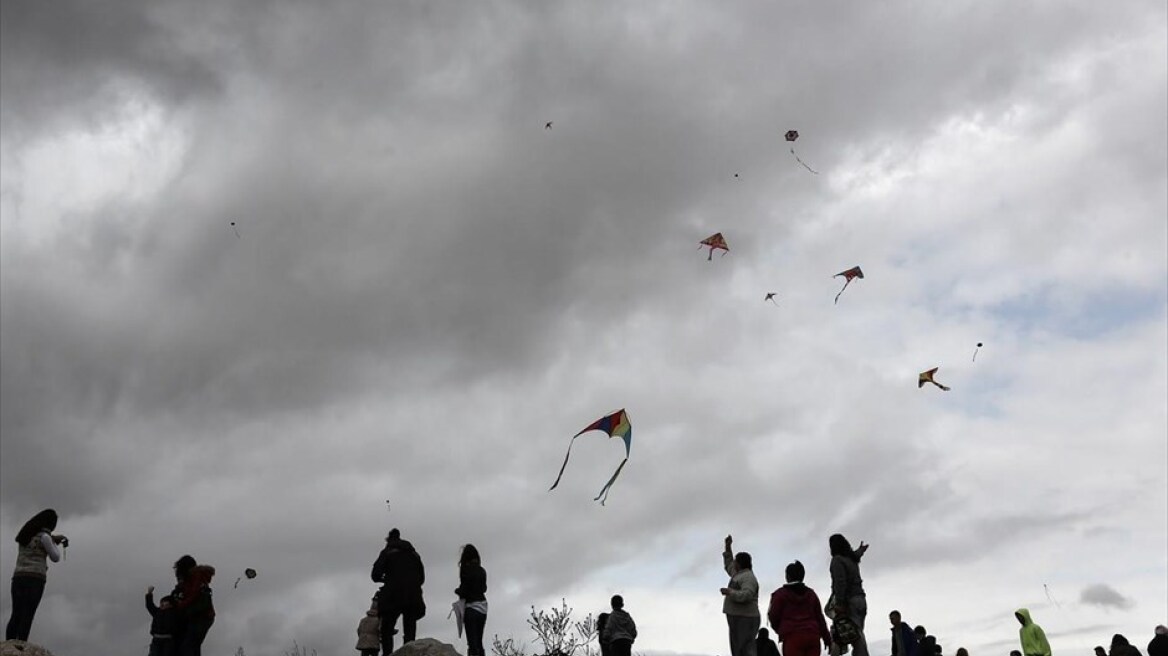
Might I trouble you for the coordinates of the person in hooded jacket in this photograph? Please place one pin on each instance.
(1032, 637)
(38, 545)
(847, 587)
(369, 632)
(740, 603)
(1159, 644)
(400, 572)
(796, 615)
(1121, 647)
(472, 590)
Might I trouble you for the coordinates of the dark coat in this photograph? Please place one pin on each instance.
(1158, 646)
(472, 582)
(165, 620)
(766, 646)
(400, 572)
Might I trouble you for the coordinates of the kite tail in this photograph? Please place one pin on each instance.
(975, 355)
(803, 163)
(564, 466)
(941, 386)
(846, 282)
(603, 496)
(711, 255)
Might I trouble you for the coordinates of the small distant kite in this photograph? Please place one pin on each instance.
(853, 272)
(791, 136)
(547, 126)
(927, 377)
(975, 352)
(235, 229)
(715, 240)
(771, 297)
(616, 425)
(249, 573)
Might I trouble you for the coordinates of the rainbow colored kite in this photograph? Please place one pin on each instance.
(616, 425)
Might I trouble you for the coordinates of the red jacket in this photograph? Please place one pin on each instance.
(195, 594)
(795, 610)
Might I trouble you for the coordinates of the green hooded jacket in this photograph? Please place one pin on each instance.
(1033, 638)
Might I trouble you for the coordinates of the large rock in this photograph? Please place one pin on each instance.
(423, 647)
(22, 648)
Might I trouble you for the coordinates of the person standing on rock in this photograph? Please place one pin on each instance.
(472, 590)
(847, 587)
(400, 572)
(740, 603)
(38, 545)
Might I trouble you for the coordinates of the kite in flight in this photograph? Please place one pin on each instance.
(249, 573)
(771, 297)
(548, 125)
(791, 136)
(715, 240)
(616, 425)
(975, 352)
(235, 229)
(927, 377)
(853, 272)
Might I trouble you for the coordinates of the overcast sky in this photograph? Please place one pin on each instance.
(430, 293)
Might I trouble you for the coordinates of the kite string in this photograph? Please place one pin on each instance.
(802, 162)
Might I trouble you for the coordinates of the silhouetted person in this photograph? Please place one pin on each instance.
(472, 590)
(740, 600)
(38, 545)
(796, 615)
(163, 620)
(620, 631)
(1121, 647)
(400, 572)
(1159, 644)
(847, 587)
(904, 640)
(601, 622)
(1100, 651)
(1032, 637)
(764, 646)
(369, 632)
(196, 609)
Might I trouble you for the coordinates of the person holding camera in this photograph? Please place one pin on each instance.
(38, 545)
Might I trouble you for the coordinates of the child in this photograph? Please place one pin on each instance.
(162, 627)
(369, 632)
(619, 631)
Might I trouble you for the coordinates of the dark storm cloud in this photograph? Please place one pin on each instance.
(430, 292)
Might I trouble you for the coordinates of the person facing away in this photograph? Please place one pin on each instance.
(369, 632)
(1015, 652)
(904, 639)
(847, 587)
(164, 619)
(1031, 635)
(764, 646)
(601, 622)
(400, 572)
(182, 572)
(797, 616)
(1159, 644)
(1100, 651)
(962, 651)
(197, 610)
(38, 545)
(740, 603)
(1121, 647)
(472, 590)
(620, 630)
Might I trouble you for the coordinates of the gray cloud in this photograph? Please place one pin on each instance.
(431, 293)
(1105, 596)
